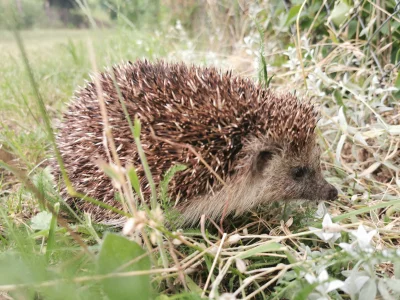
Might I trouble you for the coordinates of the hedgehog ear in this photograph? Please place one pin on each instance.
(262, 159)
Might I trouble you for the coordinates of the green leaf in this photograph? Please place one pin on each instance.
(268, 247)
(41, 221)
(338, 14)
(397, 82)
(291, 258)
(333, 36)
(339, 99)
(162, 297)
(292, 15)
(368, 291)
(168, 177)
(40, 234)
(117, 251)
(263, 71)
(192, 285)
(51, 242)
(307, 290)
(134, 179)
(108, 170)
(393, 284)
(136, 128)
(397, 269)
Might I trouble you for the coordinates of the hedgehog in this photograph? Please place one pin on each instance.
(244, 145)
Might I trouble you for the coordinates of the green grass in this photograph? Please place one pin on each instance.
(271, 254)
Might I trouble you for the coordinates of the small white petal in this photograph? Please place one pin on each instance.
(153, 238)
(334, 285)
(327, 221)
(176, 242)
(346, 247)
(371, 234)
(353, 285)
(310, 278)
(321, 211)
(233, 239)
(129, 226)
(214, 249)
(335, 237)
(363, 238)
(327, 236)
(241, 265)
(323, 276)
(319, 234)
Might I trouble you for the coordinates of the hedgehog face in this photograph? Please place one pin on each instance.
(283, 174)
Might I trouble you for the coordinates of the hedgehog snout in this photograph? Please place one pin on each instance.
(332, 193)
(329, 192)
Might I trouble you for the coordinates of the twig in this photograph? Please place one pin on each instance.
(275, 278)
(203, 232)
(213, 265)
(178, 265)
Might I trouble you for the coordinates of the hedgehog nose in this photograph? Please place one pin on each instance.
(332, 193)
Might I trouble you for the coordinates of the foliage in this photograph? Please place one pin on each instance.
(343, 54)
(116, 255)
(139, 12)
(30, 13)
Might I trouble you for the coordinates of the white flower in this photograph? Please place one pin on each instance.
(213, 249)
(154, 235)
(363, 238)
(353, 284)
(312, 279)
(349, 248)
(158, 214)
(354, 198)
(248, 40)
(386, 253)
(178, 25)
(241, 265)
(129, 226)
(330, 231)
(363, 241)
(176, 242)
(324, 286)
(135, 224)
(233, 239)
(293, 61)
(321, 211)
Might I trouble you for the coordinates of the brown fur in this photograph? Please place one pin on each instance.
(251, 137)
(251, 188)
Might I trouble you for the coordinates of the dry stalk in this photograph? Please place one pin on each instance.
(213, 265)
(109, 140)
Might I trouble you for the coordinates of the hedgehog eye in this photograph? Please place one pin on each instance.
(263, 157)
(299, 172)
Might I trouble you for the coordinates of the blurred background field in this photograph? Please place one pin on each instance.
(343, 54)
